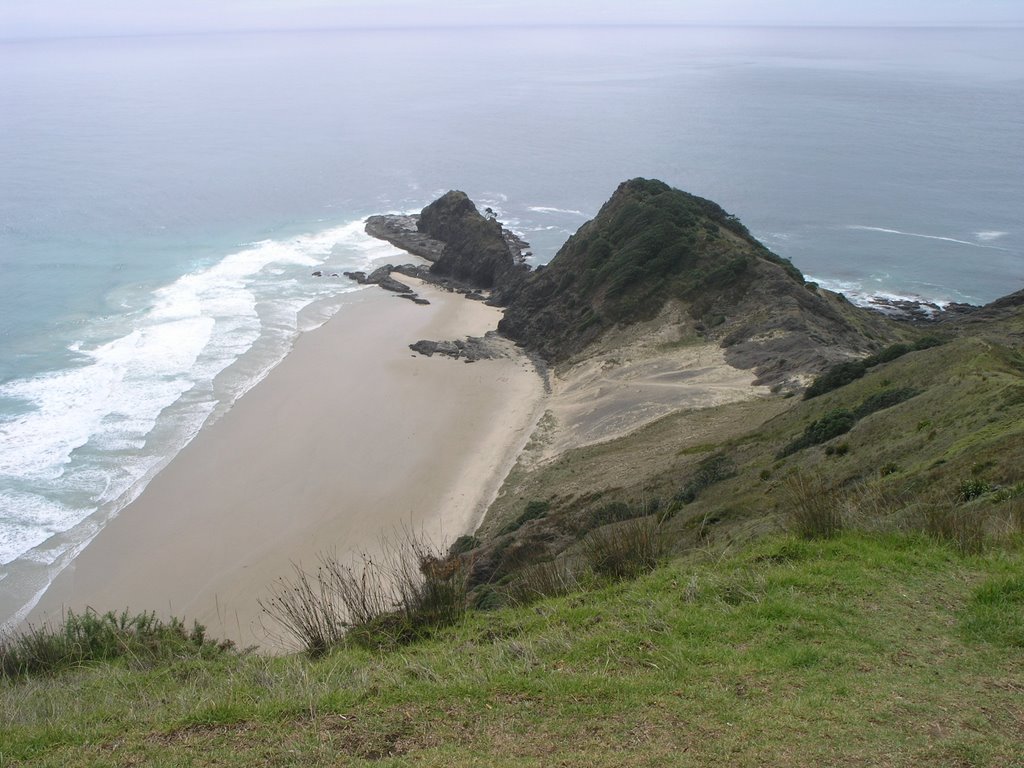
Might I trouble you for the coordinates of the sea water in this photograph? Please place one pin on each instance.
(165, 200)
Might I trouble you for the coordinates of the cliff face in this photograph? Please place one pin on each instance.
(651, 244)
(477, 250)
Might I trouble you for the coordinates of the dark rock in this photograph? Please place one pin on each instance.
(390, 284)
(379, 274)
(401, 231)
(413, 270)
(359, 277)
(478, 250)
(318, 273)
(413, 298)
(471, 349)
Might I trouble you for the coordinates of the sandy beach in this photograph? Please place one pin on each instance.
(351, 437)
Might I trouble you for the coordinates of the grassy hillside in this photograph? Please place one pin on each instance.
(934, 437)
(863, 650)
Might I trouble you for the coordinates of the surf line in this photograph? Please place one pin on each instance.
(926, 237)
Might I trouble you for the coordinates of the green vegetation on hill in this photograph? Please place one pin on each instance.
(648, 243)
(651, 244)
(875, 650)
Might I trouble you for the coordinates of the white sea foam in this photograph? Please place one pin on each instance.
(926, 237)
(88, 436)
(989, 235)
(548, 209)
(862, 296)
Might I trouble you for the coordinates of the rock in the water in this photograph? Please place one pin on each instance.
(318, 273)
(359, 277)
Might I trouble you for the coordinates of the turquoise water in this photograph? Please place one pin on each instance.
(164, 199)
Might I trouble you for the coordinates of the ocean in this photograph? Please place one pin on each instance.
(164, 200)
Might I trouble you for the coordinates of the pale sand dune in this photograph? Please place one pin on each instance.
(634, 376)
(352, 436)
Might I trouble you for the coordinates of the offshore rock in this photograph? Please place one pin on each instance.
(477, 249)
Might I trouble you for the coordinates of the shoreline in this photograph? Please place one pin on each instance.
(351, 437)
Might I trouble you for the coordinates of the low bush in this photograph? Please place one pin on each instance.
(709, 471)
(618, 511)
(843, 373)
(90, 636)
(533, 511)
(835, 377)
(836, 422)
(887, 398)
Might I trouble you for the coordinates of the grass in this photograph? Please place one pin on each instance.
(91, 637)
(857, 650)
(400, 596)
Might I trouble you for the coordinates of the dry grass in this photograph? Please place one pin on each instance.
(394, 598)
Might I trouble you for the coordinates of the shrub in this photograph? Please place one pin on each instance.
(534, 510)
(710, 470)
(397, 598)
(91, 636)
(618, 511)
(625, 551)
(813, 511)
(842, 374)
(836, 422)
(888, 354)
(971, 489)
(887, 398)
(837, 376)
(463, 544)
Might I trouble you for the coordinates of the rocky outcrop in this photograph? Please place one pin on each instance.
(469, 350)
(382, 277)
(477, 250)
(651, 244)
(401, 231)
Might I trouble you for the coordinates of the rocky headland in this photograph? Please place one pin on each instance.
(669, 334)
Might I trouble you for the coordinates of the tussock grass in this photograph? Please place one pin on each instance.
(393, 599)
(551, 578)
(814, 511)
(960, 525)
(87, 637)
(625, 550)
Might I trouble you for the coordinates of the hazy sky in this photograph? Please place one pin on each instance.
(20, 18)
